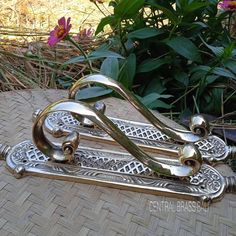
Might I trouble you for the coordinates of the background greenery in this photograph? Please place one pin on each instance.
(177, 55)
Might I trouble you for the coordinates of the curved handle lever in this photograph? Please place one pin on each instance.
(190, 157)
(198, 125)
(213, 149)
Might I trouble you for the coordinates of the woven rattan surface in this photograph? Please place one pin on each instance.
(38, 206)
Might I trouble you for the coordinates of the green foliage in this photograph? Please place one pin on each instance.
(92, 92)
(177, 51)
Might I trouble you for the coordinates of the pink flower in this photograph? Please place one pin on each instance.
(60, 31)
(228, 5)
(84, 35)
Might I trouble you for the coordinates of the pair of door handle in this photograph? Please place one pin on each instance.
(192, 148)
(141, 168)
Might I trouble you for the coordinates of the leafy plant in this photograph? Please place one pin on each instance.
(171, 54)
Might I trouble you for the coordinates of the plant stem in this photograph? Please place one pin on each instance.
(106, 8)
(172, 31)
(229, 21)
(229, 97)
(196, 105)
(120, 34)
(82, 51)
(99, 9)
(179, 98)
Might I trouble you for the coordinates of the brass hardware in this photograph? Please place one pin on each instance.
(199, 125)
(36, 114)
(176, 134)
(100, 106)
(184, 177)
(70, 145)
(213, 149)
(189, 155)
(84, 110)
(4, 150)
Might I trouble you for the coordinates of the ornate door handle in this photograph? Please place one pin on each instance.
(198, 125)
(189, 156)
(213, 149)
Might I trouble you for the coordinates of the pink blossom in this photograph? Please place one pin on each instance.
(84, 35)
(228, 5)
(60, 31)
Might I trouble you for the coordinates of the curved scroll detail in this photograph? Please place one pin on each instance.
(176, 134)
(213, 149)
(192, 164)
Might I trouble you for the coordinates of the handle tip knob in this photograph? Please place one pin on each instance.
(70, 145)
(36, 114)
(189, 155)
(199, 125)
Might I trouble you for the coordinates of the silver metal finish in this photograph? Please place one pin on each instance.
(119, 170)
(213, 149)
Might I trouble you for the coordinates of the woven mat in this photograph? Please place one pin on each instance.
(38, 206)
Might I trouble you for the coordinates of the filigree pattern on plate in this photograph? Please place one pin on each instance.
(207, 185)
(213, 149)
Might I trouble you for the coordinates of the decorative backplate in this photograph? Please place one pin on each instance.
(213, 149)
(119, 170)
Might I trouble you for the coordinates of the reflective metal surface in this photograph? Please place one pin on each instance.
(198, 125)
(184, 177)
(213, 149)
(119, 170)
(83, 110)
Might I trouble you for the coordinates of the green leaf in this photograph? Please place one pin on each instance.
(64, 81)
(112, 4)
(223, 72)
(146, 32)
(159, 104)
(93, 56)
(228, 50)
(128, 70)
(199, 23)
(231, 64)
(211, 79)
(234, 53)
(131, 65)
(74, 60)
(101, 54)
(193, 6)
(170, 14)
(200, 68)
(185, 48)
(152, 97)
(154, 86)
(218, 51)
(182, 77)
(128, 8)
(151, 64)
(108, 20)
(215, 70)
(92, 92)
(110, 67)
(211, 101)
(197, 76)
